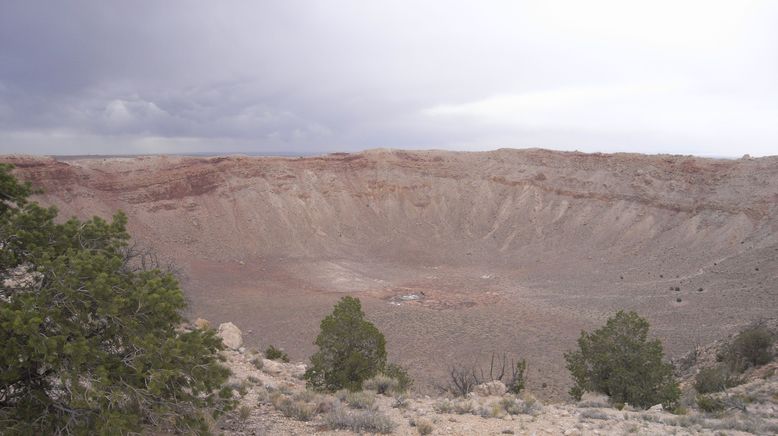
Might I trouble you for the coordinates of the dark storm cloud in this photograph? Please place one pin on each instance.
(151, 76)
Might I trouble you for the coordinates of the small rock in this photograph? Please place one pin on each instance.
(298, 370)
(492, 388)
(231, 335)
(242, 350)
(656, 408)
(202, 324)
(271, 366)
(507, 431)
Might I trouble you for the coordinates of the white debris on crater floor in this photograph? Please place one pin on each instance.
(400, 299)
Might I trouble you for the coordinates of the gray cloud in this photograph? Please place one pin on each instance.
(124, 77)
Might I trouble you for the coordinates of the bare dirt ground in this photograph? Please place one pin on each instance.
(454, 255)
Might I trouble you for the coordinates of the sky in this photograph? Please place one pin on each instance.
(110, 77)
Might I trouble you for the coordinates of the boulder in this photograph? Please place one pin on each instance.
(493, 388)
(272, 367)
(202, 324)
(656, 408)
(231, 335)
(298, 371)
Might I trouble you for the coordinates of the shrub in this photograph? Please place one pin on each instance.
(680, 410)
(393, 379)
(444, 406)
(296, 407)
(89, 333)
(273, 353)
(351, 349)
(751, 347)
(359, 421)
(516, 383)
(463, 407)
(463, 379)
(360, 400)
(381, 384)
(258, 362)
(299, 410)
(423, 426)
(593, 414)
(492, 410)
(244, 412)
(714, 379)
(262, 395)
(306, 396)
(618, 360)
(709, 404)
(399, 374)
(511, 406)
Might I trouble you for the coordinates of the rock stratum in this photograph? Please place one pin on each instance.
(454, 255)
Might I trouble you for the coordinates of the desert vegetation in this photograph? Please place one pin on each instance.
(620, 361)
(462, 379)
(90, 337)
(274, 353)
(351, 351)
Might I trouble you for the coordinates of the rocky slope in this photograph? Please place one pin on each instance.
(273, 401)
(454, 255)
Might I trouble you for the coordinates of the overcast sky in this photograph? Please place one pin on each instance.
(683, 77)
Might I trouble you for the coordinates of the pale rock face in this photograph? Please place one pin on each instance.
(202, 324)
(298, 370)
(656, 408)
(272, 367)
(492, 388)
(231, 335)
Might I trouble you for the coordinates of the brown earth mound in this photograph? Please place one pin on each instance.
(454, 255)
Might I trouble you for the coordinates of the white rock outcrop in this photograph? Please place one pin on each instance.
(202, 324)
(494, 388)
(231, 335)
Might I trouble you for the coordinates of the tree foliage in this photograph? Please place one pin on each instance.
(90, 341)
(618, 360)
(351, 349)
(751, 347)
(715, 379)
(274, 353)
